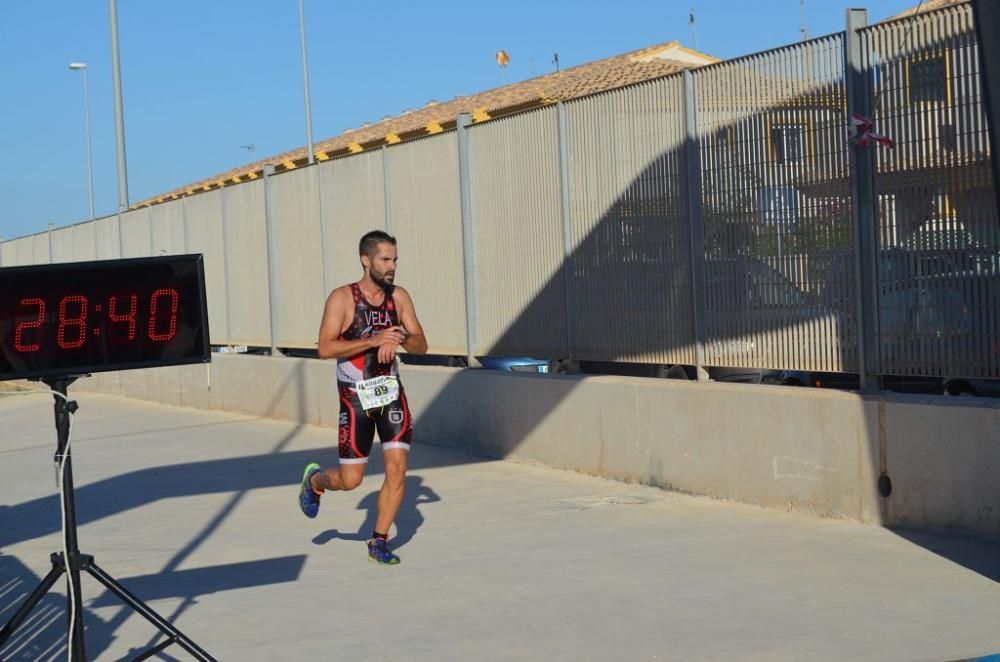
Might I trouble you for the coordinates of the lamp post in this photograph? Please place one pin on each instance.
(305, 79)
(82, 66)
(119, 123)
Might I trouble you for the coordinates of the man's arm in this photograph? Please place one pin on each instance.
(416, 341)
(338, 305)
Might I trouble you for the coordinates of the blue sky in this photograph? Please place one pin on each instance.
(201, 78)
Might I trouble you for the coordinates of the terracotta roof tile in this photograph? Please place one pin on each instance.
(927, 6)
(586, 79)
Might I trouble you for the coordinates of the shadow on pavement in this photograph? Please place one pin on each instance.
(408, 520)
(978, 554)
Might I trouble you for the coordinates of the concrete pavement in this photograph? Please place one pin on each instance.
(195, 511)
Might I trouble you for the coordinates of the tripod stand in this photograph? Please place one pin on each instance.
(72, 561)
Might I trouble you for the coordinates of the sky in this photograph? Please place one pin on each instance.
(203, 78)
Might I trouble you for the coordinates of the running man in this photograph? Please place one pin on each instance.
(363, 325)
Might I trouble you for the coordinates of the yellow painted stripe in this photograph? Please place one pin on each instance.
(252, 175)
(289, 164)
(207, 187)
(322, 156)
(480, 115)
(434, 127)
(355, 148)
(393, 138)
(236, 179)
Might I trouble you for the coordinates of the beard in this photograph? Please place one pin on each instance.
(384, 279)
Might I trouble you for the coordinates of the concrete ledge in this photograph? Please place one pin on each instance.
(814, 451)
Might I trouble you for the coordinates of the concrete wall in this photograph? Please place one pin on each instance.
(808, 450)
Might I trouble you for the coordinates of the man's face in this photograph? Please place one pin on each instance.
(381, 266)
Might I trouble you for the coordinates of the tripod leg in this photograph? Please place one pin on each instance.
(146, 612)
(29, 604)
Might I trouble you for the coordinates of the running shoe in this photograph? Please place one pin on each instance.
(308, 499)
(378, 552)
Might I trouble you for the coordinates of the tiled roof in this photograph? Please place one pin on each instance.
(926, 6)
(586, 79)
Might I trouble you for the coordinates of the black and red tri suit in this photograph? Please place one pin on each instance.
(357, 427)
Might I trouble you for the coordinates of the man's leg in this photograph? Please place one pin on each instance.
(391, 495)
(345, 477)
(356, 435)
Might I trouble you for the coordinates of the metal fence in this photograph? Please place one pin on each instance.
(939, 240)
(705, 218)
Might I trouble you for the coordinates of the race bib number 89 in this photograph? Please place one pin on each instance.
(377, 392)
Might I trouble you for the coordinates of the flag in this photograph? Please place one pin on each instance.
(862, 132)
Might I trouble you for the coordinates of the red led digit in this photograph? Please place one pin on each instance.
(154, 304)
(19, 343)
(133, 307)
(80, 322)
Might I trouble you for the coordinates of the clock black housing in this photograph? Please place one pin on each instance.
(82, 317)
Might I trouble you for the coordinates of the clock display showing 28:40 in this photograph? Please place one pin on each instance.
(75, 319)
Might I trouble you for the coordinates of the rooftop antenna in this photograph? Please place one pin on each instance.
(694, 35)
(803, 28)
(555, 61)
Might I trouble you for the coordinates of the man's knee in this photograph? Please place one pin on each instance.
(395, 469)
(350, 479)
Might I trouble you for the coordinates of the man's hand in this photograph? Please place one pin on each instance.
(387, 341)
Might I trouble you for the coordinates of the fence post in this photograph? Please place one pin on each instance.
(184, 224)
(462, 123)
(986, 18)
(51, 225)
(863, 212)
(272, 294)
(152, 234)
(569, 281)
(697, 227)
(324, 235)
(386, 190)
(226, 275)
(1, 251)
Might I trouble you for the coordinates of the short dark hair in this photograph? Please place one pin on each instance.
(369, 243)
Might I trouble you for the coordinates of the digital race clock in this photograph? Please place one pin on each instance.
(80, 317)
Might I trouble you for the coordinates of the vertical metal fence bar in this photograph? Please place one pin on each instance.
(386, 189)
(324, 233)
(184, 225)
(986, 18)
(51, 225)
(152, 235)
(227, 276)
(1, 251)
(567, 226)
(272, 292)
(463, 121)
(863, 211)
(695, 217)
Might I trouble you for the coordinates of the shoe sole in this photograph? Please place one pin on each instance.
(312, 466)
(377, 562)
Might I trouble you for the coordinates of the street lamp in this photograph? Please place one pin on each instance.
(82, 66)
(305, 79)
(116, 71)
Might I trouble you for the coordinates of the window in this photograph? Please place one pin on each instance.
(788, 142)
(927, 78)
